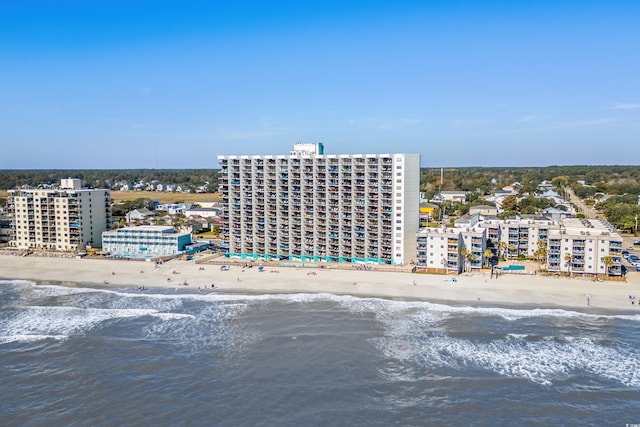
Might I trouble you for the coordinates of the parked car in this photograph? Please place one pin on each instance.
(636, 242)
(625, 254)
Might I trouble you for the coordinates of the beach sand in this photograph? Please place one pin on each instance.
(476, 289)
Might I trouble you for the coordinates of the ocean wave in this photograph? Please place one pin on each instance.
(542, 361)
(353, 303)
(31, 323)
(6, 339)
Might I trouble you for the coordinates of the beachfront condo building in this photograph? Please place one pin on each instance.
(570, 246)
(520, 237)
(587, 246)
(449, 250)
(68, 218)
(145, 241)
(311, 206)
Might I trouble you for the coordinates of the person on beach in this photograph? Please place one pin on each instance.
(588, 299)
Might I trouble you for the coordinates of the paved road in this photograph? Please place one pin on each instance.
(588, 211)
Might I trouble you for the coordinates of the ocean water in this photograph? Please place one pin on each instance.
(115, 357)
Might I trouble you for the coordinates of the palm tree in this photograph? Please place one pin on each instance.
(464, 253)
(568, 259)
(512, 249)
(470, 258)
(488, 253)
(608, 262)
(444, 265)
(502, 247)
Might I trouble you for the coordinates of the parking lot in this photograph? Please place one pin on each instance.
(631, 254)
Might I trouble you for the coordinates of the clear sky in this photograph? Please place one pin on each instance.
(173, 84)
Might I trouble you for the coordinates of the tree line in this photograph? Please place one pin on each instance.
(109, 178)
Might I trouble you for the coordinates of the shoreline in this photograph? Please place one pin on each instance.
(469, 289)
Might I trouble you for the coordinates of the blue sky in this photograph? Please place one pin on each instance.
(168, 84)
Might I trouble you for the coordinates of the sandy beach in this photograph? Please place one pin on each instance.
(529, 291)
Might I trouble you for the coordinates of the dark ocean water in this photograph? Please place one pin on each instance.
(91, 357)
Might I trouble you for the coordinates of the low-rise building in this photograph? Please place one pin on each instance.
(454, 196)
(483, 210)
(204, 212)
(174, 208)
(146, 241)
(139, 215)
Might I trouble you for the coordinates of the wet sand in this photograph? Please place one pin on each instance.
(472, 288)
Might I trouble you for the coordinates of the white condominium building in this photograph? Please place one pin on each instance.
(311, 206)
(521, 237)
(64, 219)
(451, 249)
(585, 246)
(145, 241)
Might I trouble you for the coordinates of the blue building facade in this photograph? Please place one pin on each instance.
(145, 241)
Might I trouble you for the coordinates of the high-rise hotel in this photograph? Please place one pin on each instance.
(311, 206)
(64, 219)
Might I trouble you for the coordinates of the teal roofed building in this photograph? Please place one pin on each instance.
(146, 241)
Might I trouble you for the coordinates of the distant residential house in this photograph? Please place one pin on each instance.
(454, 196)
(210, 204)
(198, 224)
(546, 185)
(139, 214)
(483, 210)
(506, 191)
(174, 208)
(203, 212)
(428, 212)
(555, 214)
(467, 220)
(437, 198)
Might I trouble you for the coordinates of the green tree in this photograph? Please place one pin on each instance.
(608, 263)
(488, 253)
(568, 258)
(510, 203)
